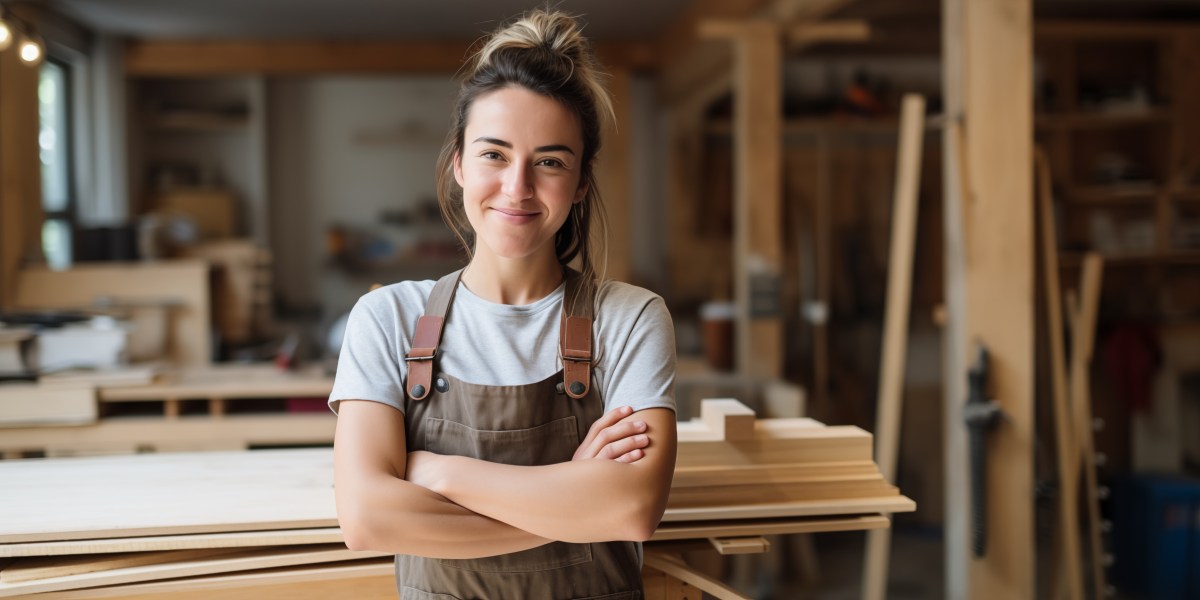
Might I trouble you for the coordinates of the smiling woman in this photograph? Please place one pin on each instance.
(509, 431)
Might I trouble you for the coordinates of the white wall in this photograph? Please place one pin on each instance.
(342, 150)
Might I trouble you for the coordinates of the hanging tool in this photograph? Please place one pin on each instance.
(980, 415)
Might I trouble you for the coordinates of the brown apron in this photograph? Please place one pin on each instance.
(533, 424)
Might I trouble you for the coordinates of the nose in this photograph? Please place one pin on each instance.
(517, 182)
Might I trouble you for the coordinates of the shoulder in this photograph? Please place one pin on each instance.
(621, 297)
(404, 296)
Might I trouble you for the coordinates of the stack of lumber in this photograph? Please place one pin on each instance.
(262, 524)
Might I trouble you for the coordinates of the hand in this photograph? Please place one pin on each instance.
(422, 469)
(613, 439)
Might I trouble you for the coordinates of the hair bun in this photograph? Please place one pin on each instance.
(556, 32)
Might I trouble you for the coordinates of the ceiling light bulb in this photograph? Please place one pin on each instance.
(5, 35)
(31, 52)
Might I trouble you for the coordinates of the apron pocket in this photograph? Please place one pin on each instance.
(411, 593)
(546, 444)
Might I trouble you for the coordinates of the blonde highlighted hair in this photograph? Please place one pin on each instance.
(544, 52)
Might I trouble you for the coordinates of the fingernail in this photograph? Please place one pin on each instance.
(626, 409)
(640, 438)
(639, 424)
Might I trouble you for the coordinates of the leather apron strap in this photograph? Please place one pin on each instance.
(574, 340)
(575, 335)
(428, 336)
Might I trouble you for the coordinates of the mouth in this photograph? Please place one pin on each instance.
(515, 212)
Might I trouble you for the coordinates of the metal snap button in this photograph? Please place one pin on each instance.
(417, 391)
(577, 387)
(558, 388)
(441, 385)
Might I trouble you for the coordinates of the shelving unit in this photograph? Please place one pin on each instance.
(212, 131)
(1113, 113)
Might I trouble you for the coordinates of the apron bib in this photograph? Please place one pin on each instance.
(533, 424)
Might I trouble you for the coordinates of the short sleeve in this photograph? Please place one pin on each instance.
(368, 365)
(639, 351)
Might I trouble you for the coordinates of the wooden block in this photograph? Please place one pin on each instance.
(740, 545)
(211, 209)
(729, 419)
(32, 404)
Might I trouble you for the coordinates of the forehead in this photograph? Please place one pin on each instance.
(525, 117)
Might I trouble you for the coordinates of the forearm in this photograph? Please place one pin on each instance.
(578, 501)
(403, 518)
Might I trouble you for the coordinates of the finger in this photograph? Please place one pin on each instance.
(605, 421)
(624, 446)
(632, 456)
(615, 433)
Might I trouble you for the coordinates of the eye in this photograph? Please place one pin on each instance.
(551, 162)
(491, 155)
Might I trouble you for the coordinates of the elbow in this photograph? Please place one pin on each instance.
(643, 520)
(356, 532)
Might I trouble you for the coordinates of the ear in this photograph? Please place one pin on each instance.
(458, 176)
(581, 192)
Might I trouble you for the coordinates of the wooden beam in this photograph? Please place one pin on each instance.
(1082, 343)
(20, 172)
(689, 65)
(758, 191)
(807, 34)
(155, 58)
(614, 176)
(987, 66)
(895, 334)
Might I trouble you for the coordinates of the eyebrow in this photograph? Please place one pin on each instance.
(550, 148)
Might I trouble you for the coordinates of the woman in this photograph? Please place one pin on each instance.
(509, 431)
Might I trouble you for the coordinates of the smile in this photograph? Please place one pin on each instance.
(513, 215)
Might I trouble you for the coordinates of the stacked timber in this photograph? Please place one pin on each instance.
(262, 524)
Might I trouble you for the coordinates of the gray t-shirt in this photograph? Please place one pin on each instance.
(501, 344)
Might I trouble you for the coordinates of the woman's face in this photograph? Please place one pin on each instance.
(520, 171)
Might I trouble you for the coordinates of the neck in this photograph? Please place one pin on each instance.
(512, 280)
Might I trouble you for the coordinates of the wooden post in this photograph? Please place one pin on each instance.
(20, 172)
(987, 59)
(895, 334)
(758, 191)
(613, 174)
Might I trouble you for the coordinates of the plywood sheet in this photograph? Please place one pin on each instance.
(124, 496)
(159, 543)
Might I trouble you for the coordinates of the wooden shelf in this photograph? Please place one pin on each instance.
(1120, 193)
(1073, 260)
(1087, 120)
(198, 121)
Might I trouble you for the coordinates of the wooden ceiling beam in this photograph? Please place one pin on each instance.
(149, 58)
(687, 74)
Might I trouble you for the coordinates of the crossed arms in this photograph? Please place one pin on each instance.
(615, 488)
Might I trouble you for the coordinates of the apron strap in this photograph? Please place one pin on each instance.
(428, 336)
(575, 334)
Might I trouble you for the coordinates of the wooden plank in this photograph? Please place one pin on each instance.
(1082, 343)
(167, 494)
(987, 81)
(239, 561)
(372, 579)
(43, 567)
(31, 404)
(805, 34)
(82, 284)
(674, 566)
(161, 543)
(811, 508)
(740, 545)
(895, 334)
(195, 432)
(1069, 570)
(158, 58)
(686, 530)
(225, 381)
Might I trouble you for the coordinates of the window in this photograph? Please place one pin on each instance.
(54, 142)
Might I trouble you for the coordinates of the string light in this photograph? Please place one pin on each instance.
(31, 50)
(6, 34)
(30, 47)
